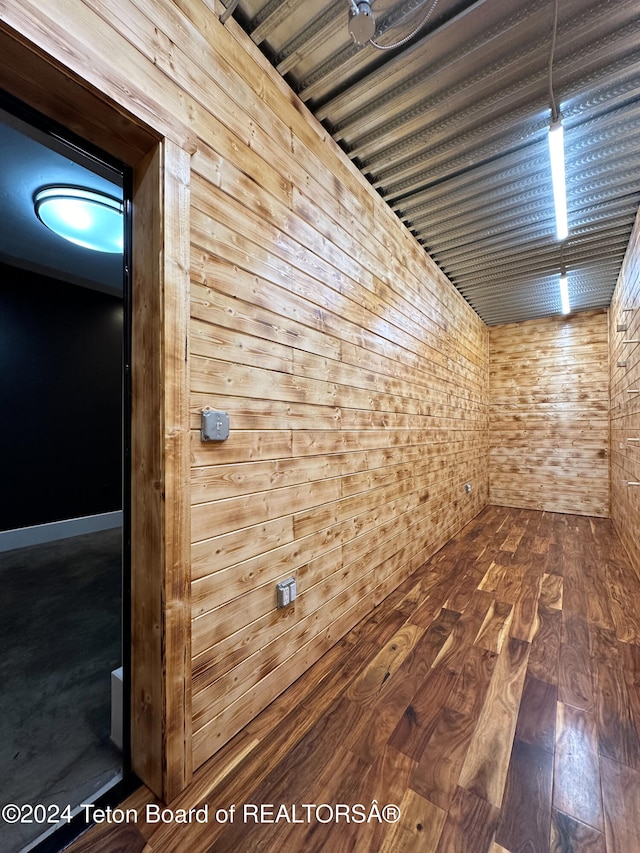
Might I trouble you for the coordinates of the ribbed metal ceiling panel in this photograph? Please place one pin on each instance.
(451, 129)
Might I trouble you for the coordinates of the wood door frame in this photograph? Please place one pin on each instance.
(161, 720)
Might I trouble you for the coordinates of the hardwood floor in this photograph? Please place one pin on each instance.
(494, 697)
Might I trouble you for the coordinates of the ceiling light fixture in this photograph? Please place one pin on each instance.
(564, 294)
(85, 217)
(362, 24)
(556, 155)
(556, 146)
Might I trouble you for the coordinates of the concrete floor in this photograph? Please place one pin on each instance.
(60, 638)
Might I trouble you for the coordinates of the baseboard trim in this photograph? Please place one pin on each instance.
(40, 533)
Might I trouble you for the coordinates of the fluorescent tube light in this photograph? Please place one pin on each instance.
(556, 154)
(564, 294)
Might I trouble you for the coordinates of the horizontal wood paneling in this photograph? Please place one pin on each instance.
(625, 403)
(549, 414)
(354, 374)
(355, 378)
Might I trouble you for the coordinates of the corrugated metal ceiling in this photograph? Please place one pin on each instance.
(451, 129)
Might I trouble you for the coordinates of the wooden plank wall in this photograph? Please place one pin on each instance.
(355, 376)
(625, 401)
(549, 414)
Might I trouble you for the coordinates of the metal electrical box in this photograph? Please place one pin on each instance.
(286, 593)
(214, 426)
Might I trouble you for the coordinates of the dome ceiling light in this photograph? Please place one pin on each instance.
(88, 218)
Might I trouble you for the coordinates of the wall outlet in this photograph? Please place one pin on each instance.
(467, 488)
(286, 593)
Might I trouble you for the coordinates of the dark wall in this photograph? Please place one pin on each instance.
(60, 400)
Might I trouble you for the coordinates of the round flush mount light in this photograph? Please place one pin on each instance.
(85, 217)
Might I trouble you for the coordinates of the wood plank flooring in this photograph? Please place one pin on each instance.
(494, 698)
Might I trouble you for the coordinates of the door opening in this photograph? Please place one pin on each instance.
(65, 342)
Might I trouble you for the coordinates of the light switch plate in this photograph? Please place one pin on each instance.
(214, 426)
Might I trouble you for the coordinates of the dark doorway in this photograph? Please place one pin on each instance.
(64, 508)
